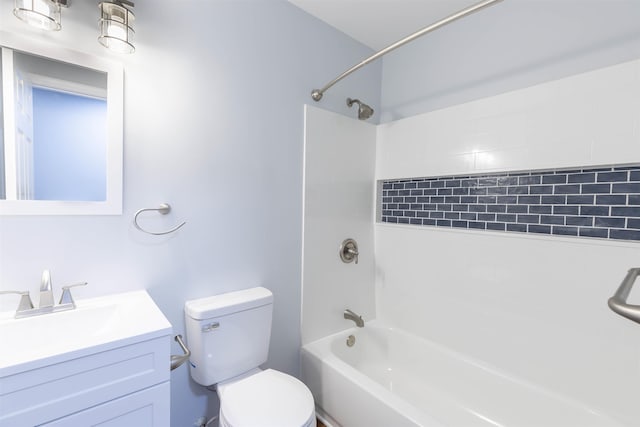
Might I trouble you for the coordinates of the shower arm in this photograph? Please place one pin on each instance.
(316, 94)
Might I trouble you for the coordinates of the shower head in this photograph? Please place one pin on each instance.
(364, 111)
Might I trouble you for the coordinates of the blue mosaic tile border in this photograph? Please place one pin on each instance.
(602, 202)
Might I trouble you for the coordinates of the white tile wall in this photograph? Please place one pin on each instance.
(533, 307)
(587, 119)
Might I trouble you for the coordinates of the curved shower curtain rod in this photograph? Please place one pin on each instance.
(316, 94)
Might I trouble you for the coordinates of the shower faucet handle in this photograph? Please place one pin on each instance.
(354, 253)
(349, 251)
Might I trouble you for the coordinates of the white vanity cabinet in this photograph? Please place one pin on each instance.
(123, 381)
(146, 408)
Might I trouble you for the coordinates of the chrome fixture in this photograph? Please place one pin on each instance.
(351, 340)
(25, 300)
(178, 360)
(364, 111)
(43, 14)
(116, 20)
(46, 291)
(116, 26)
(66, 298)
(163, 209)
(26, 309)
(348, 251)
(350, 315)
(618, 302)
(317, 94)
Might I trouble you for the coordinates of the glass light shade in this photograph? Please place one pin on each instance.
(44, 14)
(116, 31)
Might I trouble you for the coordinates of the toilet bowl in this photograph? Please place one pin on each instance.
(229, 336)
(267, 399)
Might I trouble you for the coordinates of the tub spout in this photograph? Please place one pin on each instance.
(350, 315)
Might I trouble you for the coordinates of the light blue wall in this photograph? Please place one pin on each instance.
(511, 45)
(70, 146)
(214, 101)
(2, 183)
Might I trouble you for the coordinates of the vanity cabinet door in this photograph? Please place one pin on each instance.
(40, 395)
(145, 408)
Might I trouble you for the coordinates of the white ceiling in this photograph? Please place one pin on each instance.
(378, 23)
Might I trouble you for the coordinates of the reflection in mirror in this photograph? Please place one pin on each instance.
(60, 131)
(60, 117)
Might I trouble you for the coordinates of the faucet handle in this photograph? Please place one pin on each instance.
(25, 299)
(66, 297)
(354, 253)
(348, 251)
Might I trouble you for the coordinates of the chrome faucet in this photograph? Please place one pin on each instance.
(26, 309)
(350, 315)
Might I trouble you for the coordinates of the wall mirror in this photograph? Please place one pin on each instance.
(61, 143)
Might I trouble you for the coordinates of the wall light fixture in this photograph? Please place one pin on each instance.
(43, 14)
(116, 30)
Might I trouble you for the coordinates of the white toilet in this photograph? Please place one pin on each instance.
(228, 336)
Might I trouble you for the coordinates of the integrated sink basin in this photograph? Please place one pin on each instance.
(96, 324)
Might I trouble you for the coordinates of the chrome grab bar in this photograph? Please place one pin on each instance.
(618, 302)
(178, 359)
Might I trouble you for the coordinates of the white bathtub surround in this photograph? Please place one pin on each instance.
(535, 307)
(499, 323)
(394, 378)
(338, 204)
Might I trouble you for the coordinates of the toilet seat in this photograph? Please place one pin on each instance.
(267, 399)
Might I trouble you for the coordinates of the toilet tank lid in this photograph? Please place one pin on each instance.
(231, 302)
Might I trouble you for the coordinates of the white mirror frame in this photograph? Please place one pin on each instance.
(115, 113)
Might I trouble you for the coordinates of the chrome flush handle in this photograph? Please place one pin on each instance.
(178, 359)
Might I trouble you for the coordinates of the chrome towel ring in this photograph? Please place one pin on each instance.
(164, 209)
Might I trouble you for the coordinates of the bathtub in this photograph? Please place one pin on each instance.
(392, 378)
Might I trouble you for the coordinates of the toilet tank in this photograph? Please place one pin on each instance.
(228, 334)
